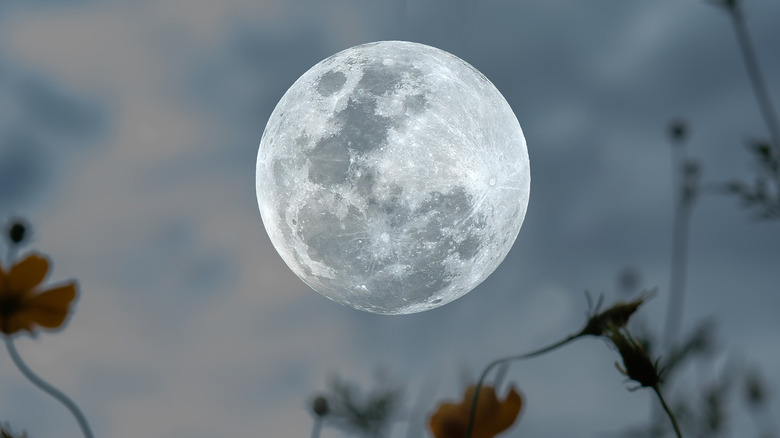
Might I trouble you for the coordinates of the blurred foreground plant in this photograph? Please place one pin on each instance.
(610, 325)
(24, 307)
(492, 416)
(763, 195)
(6, 432)
(345, 407)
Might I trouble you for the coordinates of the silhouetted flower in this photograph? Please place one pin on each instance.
(616, 316)
(637, 364)
(23, 306)
(491, 418)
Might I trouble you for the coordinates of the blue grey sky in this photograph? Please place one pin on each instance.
(129, 133)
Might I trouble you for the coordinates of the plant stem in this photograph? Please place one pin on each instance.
(674, 309)
(680, 237)
(497, 362)
(47, 387)
(669, 413)
(754, 72)
(316, 427)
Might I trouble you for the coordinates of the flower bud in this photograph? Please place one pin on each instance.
(637, 365)
(16, 231)
(320, 406)
(678, 131)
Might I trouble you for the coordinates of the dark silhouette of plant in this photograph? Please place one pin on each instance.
(763, 194)
(345, 407)
(6, 432)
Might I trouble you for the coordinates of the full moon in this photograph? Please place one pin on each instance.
(393, 177)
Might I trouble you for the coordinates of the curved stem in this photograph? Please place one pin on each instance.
(473, 411)
(668, 411)
(47, 388)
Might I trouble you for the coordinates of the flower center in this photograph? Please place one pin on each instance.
(9, 305)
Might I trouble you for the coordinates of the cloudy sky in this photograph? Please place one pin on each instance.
(128, 137)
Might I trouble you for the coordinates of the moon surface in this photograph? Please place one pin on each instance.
(393, 177)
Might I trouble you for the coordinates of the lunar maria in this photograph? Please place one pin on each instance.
(393, 177)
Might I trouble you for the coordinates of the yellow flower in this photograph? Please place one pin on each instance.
(23, 306)
(491, 418)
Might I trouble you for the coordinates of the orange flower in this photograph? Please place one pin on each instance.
(23, 306)
(491, 418)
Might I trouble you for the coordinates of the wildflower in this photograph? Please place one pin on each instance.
(491, 418)
(23, 306)
(616, 316)
(637, 365)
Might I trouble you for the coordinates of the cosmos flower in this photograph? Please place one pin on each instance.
(492, 416)
(23, 305)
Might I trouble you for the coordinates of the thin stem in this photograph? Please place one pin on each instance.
(756, 79)
(47, 388)
(679, 259)
(497, 362)
(316, 427)
(674, 310)
(669, 413)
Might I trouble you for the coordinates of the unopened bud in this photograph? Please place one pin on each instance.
(16, 231)
(637, 365)
(678, 131)
(320, 406)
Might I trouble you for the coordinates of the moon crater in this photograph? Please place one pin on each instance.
(392, 177)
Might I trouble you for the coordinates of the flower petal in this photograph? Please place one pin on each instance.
(27, 274)
(51, 308)
(14, 324)
(449, 421)
(505, 415)
(487, 403)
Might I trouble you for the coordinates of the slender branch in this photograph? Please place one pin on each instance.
(497, 362)
(47, 387)
(669, 413)
(754, 72)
